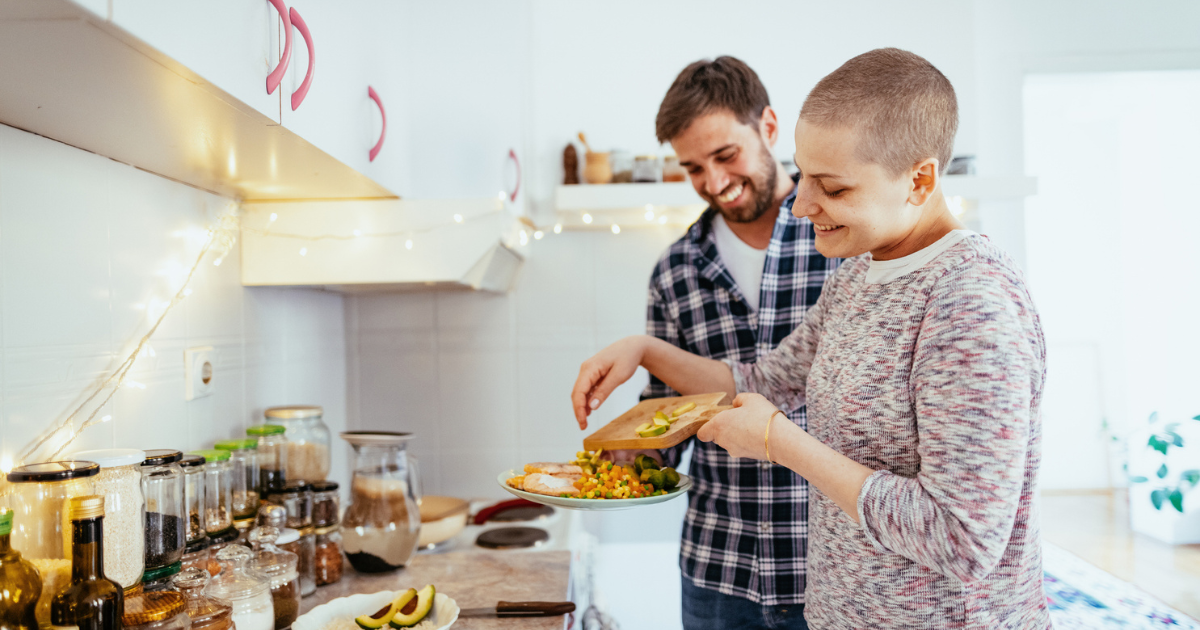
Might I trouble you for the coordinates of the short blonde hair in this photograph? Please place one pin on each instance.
(903, 108)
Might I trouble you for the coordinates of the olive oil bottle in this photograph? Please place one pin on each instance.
(20, 584)
(92, 601)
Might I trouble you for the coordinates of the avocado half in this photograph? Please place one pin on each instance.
(381, 617)
(413, 611)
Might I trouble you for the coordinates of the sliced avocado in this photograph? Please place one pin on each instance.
(385, 614)
(414, 611)
(652, 432)
(662, 422)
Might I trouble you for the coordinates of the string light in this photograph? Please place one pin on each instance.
(458, 218)
(217, 262)
(662, 220)
(408, 244)
(537, 236)
(273, 217)
(524, 238)
(303, 251)
(616, 229)
(649, 212)
(558, 228)
(956, 205)
(501, 195)
(6, 464)
(357, 233)
(587, 218)
(187, 292)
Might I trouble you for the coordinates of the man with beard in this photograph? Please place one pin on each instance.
(734, 286)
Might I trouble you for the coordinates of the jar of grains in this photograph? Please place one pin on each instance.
(308, 440)
(120, 483)
(243, 479)
(166, 518)
(205, 612)
(296, 497)
(193, 500)
(247, 592)
(39, 495)
(279, 567)
(164, 610)
(218, 497)
(272, 456)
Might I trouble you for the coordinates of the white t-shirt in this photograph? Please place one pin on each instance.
(882, 271)
(745, 263)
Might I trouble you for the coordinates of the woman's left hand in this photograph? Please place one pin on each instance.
(741, 430)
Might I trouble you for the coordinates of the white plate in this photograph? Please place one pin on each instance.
(685, 484)
(444, 611)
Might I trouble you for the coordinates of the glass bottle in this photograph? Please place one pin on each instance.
(20, 584)
(166, 518)
(272, 456)
(279, 567)
(120, 483)
(248, 593)
(205, 612)
(159, 610)
(243, 460)
(92, 601)
(308, 440)
(382, 524)
(193, 500)
(39, 496)
(296, 498)
(218, 489)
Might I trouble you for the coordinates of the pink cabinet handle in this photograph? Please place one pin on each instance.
(382, 132)
(276, 75)
(512, 155)
(299, 94)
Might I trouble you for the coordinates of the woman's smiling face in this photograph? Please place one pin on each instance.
(856, 206)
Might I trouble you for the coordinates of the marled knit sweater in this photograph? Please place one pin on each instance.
(934, 380)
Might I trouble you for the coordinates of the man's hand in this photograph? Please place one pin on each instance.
(601, 374)
(741, 430)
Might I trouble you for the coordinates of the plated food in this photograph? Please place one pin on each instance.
(347, 613)
(589, 477)
(406, 611)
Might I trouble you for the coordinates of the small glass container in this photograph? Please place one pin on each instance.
(247, 592)
(296, 498)
(193, 499)
(308, 440)
(326, 508)
(243, 463)
(279, 567)
(205, 612)
(328, 555)
(120, 483)
(381, 526)
(672, 171)
(217, 543)
(218, 492)
(647, 169)
(272, 456)
(166, 517)
(622, 167)
(39, 495)
(160, 579)
(163, 610)
(196, 557)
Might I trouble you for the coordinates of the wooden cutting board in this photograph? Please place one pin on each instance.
(621, 433)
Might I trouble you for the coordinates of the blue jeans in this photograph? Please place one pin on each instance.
(709, 610)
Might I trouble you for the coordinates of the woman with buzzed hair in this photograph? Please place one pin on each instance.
(922, 365)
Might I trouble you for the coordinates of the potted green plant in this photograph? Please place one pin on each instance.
(1163, 473)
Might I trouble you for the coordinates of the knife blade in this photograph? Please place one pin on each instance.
(521, 609)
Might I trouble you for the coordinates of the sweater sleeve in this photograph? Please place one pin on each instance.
(977, 361)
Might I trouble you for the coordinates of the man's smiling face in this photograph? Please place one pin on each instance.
(729, 164)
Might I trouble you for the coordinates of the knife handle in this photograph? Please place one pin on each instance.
(534, 609)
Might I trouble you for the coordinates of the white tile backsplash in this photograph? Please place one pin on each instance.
(86, 245)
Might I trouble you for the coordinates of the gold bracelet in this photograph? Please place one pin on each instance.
(767, 437)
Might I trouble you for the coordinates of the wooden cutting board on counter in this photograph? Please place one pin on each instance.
(621, 433)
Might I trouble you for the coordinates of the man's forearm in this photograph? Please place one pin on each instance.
(685, 372)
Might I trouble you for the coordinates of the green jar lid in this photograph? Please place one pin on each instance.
(236, 445)
(5, 521)
(266, 429)
(150, 575)
(213, 455)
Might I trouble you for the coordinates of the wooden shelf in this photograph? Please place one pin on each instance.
(600, 197)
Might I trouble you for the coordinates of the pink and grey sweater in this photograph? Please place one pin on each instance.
(934, 380)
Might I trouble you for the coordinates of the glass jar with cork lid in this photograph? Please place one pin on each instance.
(308, 440)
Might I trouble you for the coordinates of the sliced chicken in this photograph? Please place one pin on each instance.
(551, 485)
(552, 468)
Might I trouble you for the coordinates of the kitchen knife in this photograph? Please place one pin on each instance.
(521, 609)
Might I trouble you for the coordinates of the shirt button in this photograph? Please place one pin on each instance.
(765, 465)
(765, 526)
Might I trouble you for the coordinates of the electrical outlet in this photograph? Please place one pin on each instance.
(198, 372)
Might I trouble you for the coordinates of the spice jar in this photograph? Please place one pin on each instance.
(279, 567)
(205, 612)
(247, 593)
(672, 171)
(166, 519)
(327, 563)
(39, 495)
(622, 167)
(646, 169)
(272, 456)
(160, 579)
(120, 483)
(193, 499)
(308, 440)
(166, 610)
(296, 498)
(243, 477)
(325, 502)
(217, 543)
(218, 492)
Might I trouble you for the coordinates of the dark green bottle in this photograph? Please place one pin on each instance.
(92, 601)
(20, 584)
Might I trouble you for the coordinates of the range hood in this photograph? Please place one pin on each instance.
(383, 245)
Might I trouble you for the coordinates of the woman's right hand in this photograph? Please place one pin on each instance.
(601, 374)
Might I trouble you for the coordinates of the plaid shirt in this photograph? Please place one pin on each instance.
(746, 529)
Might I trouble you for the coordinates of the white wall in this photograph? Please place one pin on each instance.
(85, 244)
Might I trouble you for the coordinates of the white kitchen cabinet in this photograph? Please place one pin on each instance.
(232, 44)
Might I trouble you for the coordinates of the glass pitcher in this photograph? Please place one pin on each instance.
(383, 521)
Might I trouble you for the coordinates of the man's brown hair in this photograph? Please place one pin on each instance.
(903, 108)
(708, 86)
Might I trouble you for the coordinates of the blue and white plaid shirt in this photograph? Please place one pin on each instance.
(746, 529)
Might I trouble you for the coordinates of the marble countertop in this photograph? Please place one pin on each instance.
(474, 579)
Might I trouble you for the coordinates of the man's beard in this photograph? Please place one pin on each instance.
(762, 185)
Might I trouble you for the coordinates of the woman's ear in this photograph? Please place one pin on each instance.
(768, 126)
(924, 177)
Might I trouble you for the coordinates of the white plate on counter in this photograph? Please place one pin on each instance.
(443, 614)
(685, 484)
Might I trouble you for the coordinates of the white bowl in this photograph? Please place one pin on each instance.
(444, 612)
